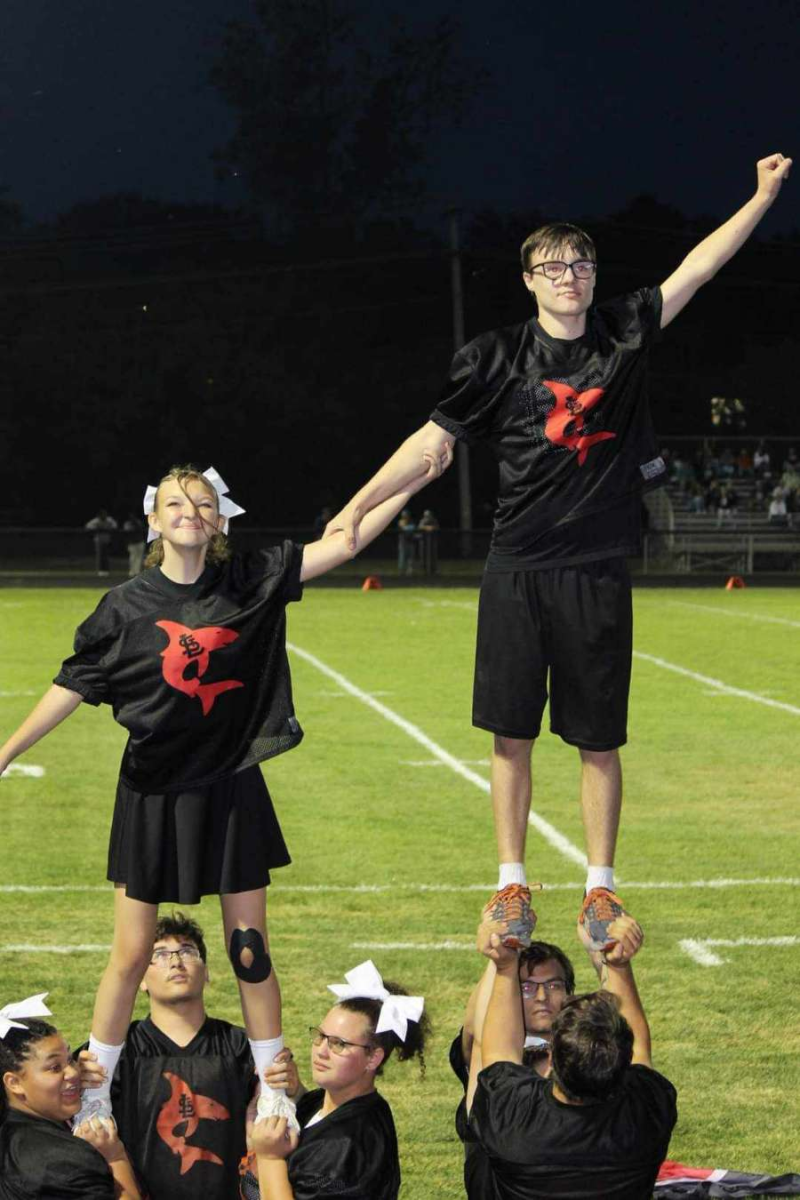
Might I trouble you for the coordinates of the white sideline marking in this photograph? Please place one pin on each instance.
(11, 695)
(698, 949)
(28, 948)
(652, 885)
(548, 831)
(27, 769)
(727, 612)
(434, 762)
(717, 684)
(339, 695)
(449, 604)
(412, 945)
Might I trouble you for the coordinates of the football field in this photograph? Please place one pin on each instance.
(386, 811)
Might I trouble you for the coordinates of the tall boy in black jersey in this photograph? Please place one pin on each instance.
(561, 402)
(184, 1080)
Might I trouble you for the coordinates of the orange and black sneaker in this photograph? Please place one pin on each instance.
(601, 908)
(512, 905)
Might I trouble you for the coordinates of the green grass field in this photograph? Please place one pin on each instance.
(394, 852)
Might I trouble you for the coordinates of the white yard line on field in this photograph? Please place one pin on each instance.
(717, 684)
(13, 695)
(27, 769)
(548, 831)
(698, 948)
(28, 948)
(651, 885)
(729, 612)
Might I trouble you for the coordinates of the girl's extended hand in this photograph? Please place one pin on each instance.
(272, 1138)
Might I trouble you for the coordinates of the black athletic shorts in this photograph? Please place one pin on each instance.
(573, 622)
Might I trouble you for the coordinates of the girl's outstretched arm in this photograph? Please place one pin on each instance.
(55, 706)
(332, 551)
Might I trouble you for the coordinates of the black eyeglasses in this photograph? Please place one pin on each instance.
(530, 987)
(336, 1045)
(163, 957)
(582, 268)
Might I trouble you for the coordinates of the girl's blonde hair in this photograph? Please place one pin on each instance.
(218, 548)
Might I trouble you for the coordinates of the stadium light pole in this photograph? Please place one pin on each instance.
(459, 337)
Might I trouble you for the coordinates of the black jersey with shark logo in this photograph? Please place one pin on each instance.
(181, 1109)
(569, 425)
(196, 673)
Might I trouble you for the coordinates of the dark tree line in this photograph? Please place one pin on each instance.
(295, 343)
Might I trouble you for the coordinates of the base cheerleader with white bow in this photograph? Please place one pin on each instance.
(39, 1097)
(191, 655)
(347, 1145)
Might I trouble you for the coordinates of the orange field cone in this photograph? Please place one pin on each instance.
(372, 584)
(735, 581)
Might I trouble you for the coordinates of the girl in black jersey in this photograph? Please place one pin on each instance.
(191, 654)
(39, 1157)
(347, 1145)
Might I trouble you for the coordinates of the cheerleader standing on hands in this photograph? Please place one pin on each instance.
(191, 654)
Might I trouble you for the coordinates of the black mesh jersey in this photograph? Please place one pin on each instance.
(540, 1147)
(351, 1153)
(197, 673)
(569, 425)
(42, 1160)
(181, 1109)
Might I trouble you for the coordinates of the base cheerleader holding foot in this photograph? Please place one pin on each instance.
(40, 1158)
(347, 1145)
(191, 655)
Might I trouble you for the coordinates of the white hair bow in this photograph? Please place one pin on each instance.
(34, 1006)
(227, 507)
(365, 982)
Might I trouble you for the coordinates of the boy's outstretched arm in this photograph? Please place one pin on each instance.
(55, 705)
(702, 263)
(429, 450)
(615, 972)
(334, 549)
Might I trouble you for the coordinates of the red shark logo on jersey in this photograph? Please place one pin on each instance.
(194, 646)
(187, 1109)
(566, 421)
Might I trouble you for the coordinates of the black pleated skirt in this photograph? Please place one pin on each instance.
(179, 846)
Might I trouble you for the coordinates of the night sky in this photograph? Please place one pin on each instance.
(587, 105)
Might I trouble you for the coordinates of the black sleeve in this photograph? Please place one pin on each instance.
(466, 402)
(85, 671)
(458, 1063)
(280, 565)
(634, 319)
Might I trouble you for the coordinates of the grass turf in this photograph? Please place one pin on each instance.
(711, 794)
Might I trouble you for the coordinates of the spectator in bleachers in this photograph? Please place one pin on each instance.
(727, 463)
(744, 463)
(791, 462)
(761, 460)
(778, 513)
(682, 472)
(712, 497)
(697, 503)
(728, 504)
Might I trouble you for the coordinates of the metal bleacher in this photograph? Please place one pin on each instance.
(739, 541)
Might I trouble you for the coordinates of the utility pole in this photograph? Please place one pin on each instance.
(459, 337)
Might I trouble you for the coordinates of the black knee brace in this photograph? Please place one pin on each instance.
(261, 966)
